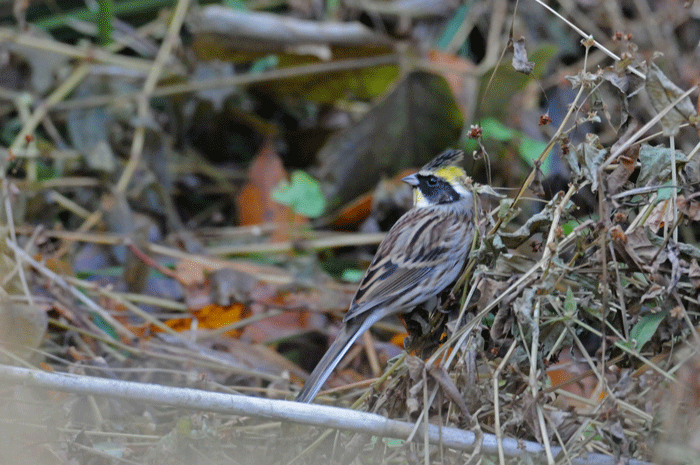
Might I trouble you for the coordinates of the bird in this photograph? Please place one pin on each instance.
(420, 256)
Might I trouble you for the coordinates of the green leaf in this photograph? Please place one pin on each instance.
(665, 191)
(497, 130)
(10, 130)
(303, 194)
(105, 15)
(568, 228)
(103, 325)
(236, 4)
(452, 27)
(394, 443)
(645, 328)
(530, 149)
(352, 275)
(569, 303)
(121, 8)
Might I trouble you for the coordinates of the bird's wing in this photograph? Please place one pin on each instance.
(415, 247)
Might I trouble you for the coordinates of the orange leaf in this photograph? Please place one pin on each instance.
(353, 213)
(398, 339)
(210, 317)
(255, 204)
(215, 316)
(359, 209)
(575, 377)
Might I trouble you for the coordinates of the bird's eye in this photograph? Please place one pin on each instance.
(432, 181)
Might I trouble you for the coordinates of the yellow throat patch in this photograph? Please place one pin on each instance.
(419, 199)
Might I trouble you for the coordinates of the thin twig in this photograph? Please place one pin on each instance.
(586, 36)
(497, 404)
(144, 111)
(56, 279)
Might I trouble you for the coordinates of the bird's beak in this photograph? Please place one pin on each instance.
(411, 180)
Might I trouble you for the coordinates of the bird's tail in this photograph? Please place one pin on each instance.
(347, 336)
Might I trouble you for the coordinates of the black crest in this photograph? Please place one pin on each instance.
(449, 157)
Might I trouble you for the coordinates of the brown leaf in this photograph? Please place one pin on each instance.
(255, 204)
(488, 289)
(623, 170)
(573, 374)
(353, 213)
(415, 367)
(637, 249)
(210, 317)
(448, 387)
(694, 274)
(661, 214)
(502, 324)
(653, 292)
(689, 207)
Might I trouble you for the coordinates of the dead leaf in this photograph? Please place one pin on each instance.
(661, 214)
(653, 292)
(520, 61)
(694, 274)
(255, 204)
(673, 252)
(618, 79)
(488, 290)
(210, 317)
(586, 157)
(528, 412)
(625, 167)
(663, 92)
(502, 324)
(637, 249)
(573, 374)
(537, 223)
(353, 213)
(415, 367)
(22, 327)
(677, 312)
(656, 164)
(689, 207)
(449, 388)
(230, 286)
